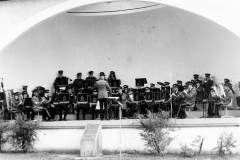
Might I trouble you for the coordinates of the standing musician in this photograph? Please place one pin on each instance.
(111, 77)
(207, 84)
(47, 104)
(38, 104)
(199, 88)
(190, 95)
(102, 87)
(78, 83)
(166, 90)
(91, 78)
(195, 78)
(60, 80)
(180, 86)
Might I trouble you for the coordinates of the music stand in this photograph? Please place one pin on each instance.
(64, 98)
(140, 82)
(2, 97)
(82, 98)
(115, 83)
(28, 102)
(149, 96)
(137, 97)
(55, 99)
(93, 98)
(88, 83)
(62, 81)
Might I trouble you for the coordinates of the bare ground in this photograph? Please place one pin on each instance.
(55, 156)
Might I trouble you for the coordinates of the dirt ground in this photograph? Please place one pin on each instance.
(54, 156)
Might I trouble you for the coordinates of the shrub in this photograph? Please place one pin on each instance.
(156, 130)
(23, 134)
(3, 133)
(198, 143)
(185, 150)
(224, 143)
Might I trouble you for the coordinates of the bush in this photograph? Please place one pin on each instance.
(156, 130)
(198, 143)
(225, 143)
(23, 134)
(3, 133)
(185, 150)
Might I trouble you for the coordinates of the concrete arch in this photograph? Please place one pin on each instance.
(230, 23)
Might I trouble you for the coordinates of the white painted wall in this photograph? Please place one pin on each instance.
(68, 140)
(149, 44)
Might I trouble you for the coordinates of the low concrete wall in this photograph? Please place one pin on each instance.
(60, 136)
(68, 140)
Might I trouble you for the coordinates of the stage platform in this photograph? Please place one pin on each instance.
(133, 123)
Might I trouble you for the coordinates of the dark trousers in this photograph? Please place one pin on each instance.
(84, 108)
(115, 111)
(30, 113)
(181, 113)
(143, 108)
(62, 107)
(213, 110)
(52, 112)
(103, 103)
(94, 112)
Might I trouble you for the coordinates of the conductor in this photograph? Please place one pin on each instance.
(103, 86)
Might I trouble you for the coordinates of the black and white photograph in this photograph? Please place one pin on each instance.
(119, 79)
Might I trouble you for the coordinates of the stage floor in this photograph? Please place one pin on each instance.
(133, 123)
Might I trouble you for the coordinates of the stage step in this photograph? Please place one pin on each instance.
(198, 114)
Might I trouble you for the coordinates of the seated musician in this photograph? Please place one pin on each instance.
(123, 97)
(38, 104)
(150, 102)
(130, 104)
(143, 106)
(84, 107)
(176, 98)
(190, 95)
(28, 108)
(152, 86)
(72, 100)
(17, 104)
(125, 89)
(165, 89)
(111, 77)
(224, 100)
(93, 109)
(47, 104)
